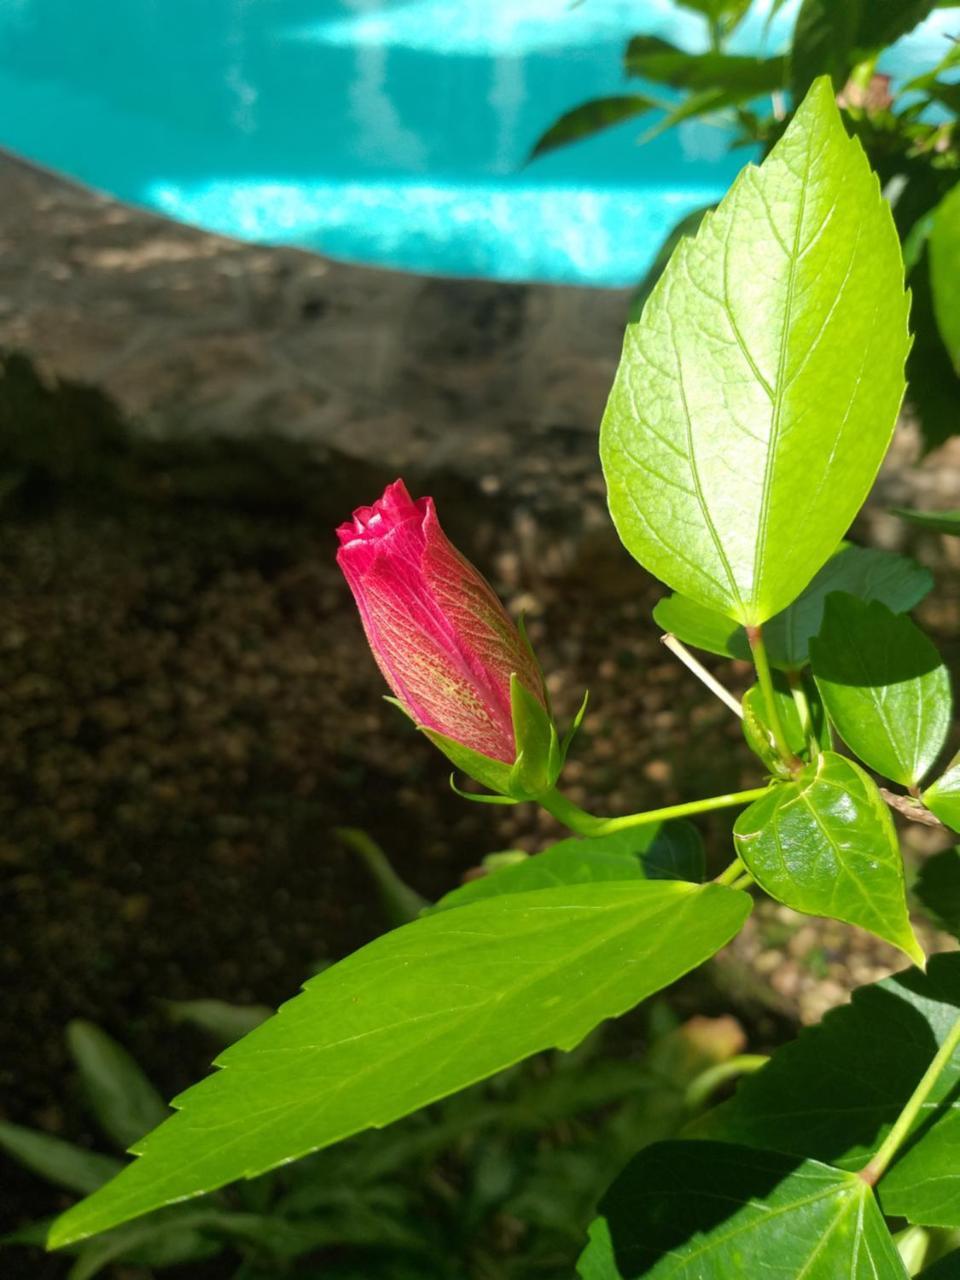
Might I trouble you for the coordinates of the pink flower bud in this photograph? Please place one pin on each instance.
(440, 636)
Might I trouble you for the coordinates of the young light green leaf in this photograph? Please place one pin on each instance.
(834, 1093)
(122, 1098)
(935, 521)
(938, 888)
(712, 1211)
(897, 581)
(59, 1162)
(666, 851)
(758, 391)
(945, 272)
(942, 797)
(884, 685)
(414, 1016)
(825, 844)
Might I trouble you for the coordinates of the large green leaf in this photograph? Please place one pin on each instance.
(834, 1093)
(414, 1016)
(123, 1099)
(942, 797)
(884, 686)
(758, 391)
(712, 1211)
(897, 581)
(945, 271)
(831, 36)
(663, 851)
(59, 1162)
(590, 118)
(664, 63)
(825, 844)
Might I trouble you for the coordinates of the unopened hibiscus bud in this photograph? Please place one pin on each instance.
(455, 661)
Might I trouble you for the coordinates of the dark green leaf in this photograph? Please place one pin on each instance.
(744, 349)
(664, 63)
(947, 1268)
(938, 888)
(165, 1239)
(830, 38)
(59, 1162)
(933, 385)
(943, 796)
(945, 267)
(225, 1022)
(825, 845)
(712, 1211)
(897, 581)
(124, 1101)
(935, 521)
(418, 1014)
(885, 688)
(834, 1093)
(590, 118)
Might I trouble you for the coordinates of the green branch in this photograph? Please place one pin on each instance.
(588, 824)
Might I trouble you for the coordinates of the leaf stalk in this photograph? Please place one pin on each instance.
(872, 1172)
(765, 679)
(588, 824)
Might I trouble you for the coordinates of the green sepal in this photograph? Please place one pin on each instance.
(493, 774)
(539, 759)
(942, 797)
(571, 733)
(478, 799)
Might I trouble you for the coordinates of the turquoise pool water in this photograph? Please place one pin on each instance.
(380, 131)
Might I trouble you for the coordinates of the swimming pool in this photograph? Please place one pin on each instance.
(391, 132)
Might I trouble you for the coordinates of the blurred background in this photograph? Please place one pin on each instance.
(257, 259)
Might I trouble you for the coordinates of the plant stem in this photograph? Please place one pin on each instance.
(874, 1171)
(743, 881)
(799, 695)
(765, 678)
(680, 650)
(729, 874)
(588, 824)
(701, 1087)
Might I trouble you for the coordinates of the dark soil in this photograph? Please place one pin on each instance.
(188, 711)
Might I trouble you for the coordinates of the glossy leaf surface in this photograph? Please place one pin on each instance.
(897, 581)
(884, 686)
(414, 1016)
(833, 1093)
(742, 432)
(712, 1211)
(825, 844)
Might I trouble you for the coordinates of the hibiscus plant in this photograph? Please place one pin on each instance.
(754, 403)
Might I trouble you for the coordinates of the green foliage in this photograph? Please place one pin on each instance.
(935, 521)
(938, 889)
(807, 735)
(711, 372)
(825, 844)
(123, 1100)
(590, 118)
(945, 271)
(834, 1093)
(710, 1210)
(468, 992)
(59, 1162)
(884, 685)
(896, 581)
(669, 851)
(943, 796)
